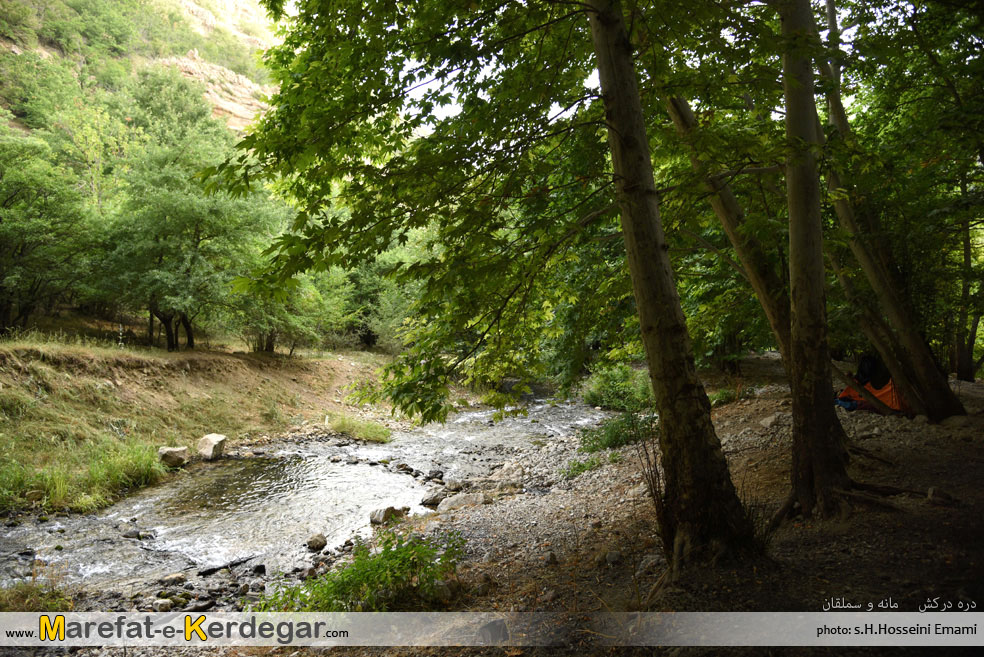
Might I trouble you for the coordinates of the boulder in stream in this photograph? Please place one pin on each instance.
(211, 445)
(173, 457)
(317, 543)
(383, 516)
(433, 498)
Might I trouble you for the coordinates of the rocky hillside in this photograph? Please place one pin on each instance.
(215, 42)
(234, 98)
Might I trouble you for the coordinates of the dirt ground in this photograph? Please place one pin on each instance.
(592, 546)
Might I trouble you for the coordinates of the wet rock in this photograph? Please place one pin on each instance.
(463, 499)
(434, 498)
(132, 533)
(202, 605)
(308, 573)
(173, 579)
(211, 446)
(317, 543)
(383, 516)
(435, 474)
(162, 604)
(173, 457)
(259, 569)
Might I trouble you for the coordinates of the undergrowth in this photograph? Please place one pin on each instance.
(367, 430)
(619, 388)
(619, 431)
(401, 573)
(37, 595)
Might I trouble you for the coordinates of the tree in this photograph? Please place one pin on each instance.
(502, 182)
(818, 469)
(43, 230)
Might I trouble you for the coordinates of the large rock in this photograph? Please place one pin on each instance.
(463, 499)
(317, 543)
(173, 457)
(210, 447)
(433, 498)
(510, 475)
(383, 516)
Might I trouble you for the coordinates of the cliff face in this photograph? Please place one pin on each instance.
(234, 98)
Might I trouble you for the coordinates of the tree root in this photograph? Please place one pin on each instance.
(854, 450)
(867, 498)
(857, 491)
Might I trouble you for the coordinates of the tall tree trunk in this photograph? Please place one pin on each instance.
(701, 508)
(189, 332)
(167, 320)
(818, 469)
(966, 335)
(765, 281)
(170, 332)
(150, 328)
(928, 391)
(270, 342)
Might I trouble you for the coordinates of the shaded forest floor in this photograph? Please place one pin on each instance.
(590, 544)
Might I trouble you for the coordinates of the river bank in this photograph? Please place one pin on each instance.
(544, 541)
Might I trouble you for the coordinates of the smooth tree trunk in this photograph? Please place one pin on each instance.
(767, 283)
(968, 320)
(768, 286)
(819, 457)
(915, 371)
(701, 508)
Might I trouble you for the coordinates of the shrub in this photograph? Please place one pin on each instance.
(367, 430)
(625, 429)
(404, 573)
(620, 388)
(577, 467)
(37, 595)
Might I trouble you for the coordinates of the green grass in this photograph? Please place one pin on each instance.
(35, 596)
(80, 423)
(616, 432)
(367, 430)
(578, 467)
(403, 573)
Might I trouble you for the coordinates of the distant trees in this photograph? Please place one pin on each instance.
(43, 230)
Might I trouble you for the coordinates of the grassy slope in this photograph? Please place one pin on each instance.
(79, 425)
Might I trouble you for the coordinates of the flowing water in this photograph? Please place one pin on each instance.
(264, 508)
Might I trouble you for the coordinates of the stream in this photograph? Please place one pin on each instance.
(263, 507)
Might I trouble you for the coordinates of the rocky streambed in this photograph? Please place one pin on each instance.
(214, 535)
